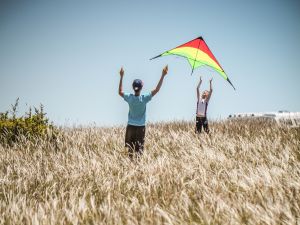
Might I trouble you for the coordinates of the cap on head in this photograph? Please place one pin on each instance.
(137, 84)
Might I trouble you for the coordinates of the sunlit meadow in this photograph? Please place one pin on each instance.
(244, 172)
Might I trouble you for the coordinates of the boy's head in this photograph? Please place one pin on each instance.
(205, 94)
(137, 85)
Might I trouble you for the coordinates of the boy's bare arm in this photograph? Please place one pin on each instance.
(121, 93)
(164, 73)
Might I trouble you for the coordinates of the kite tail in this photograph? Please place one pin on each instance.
(156, 57)
(230, 83)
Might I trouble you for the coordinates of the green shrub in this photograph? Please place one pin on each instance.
(31, 126)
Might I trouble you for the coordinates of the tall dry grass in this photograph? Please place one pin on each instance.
(242, 173)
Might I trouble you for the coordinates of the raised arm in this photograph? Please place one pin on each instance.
(121, 93)
(198, 89)
(210, 88)
(158, 86)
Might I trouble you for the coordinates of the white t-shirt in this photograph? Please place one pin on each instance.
(202, 107)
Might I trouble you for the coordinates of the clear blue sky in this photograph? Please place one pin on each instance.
(67, 54)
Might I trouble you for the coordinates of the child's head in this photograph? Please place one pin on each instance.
(137, 85)
(205, 94)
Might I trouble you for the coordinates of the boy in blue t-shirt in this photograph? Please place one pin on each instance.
(135, 130)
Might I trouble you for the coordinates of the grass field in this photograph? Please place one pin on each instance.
(242, 173)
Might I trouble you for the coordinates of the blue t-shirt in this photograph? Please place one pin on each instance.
(137, 108)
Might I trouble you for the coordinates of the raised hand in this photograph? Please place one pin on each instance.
(165, 70)
(210, 86)
(122, 72)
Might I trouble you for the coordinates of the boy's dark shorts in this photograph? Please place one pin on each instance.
(201, 122)
(135, 138)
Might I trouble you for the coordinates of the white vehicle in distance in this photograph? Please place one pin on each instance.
(282, 118)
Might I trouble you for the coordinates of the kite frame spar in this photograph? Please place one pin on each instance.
(205, 51)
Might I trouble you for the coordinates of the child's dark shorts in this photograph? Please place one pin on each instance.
(201, 122)
(135, 138)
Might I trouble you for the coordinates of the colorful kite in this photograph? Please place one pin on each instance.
(198, 54)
